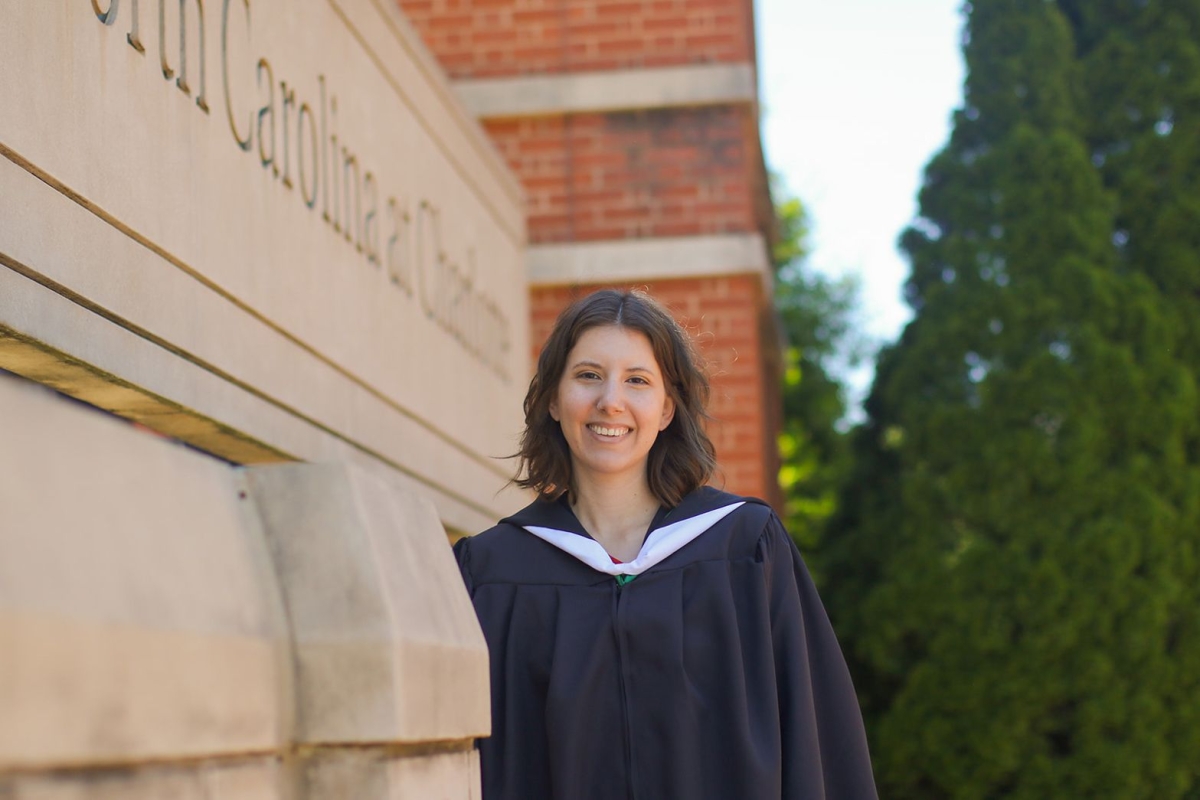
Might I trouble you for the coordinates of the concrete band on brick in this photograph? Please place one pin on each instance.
(610, 90)
(648, 259)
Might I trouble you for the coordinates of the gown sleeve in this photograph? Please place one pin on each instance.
(825, 754)
(462, 554)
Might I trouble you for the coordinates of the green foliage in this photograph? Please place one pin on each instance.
(1015, 564)
(816, 314)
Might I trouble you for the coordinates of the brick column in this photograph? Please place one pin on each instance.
(633, 126)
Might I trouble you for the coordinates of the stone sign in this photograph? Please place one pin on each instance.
(268, 229)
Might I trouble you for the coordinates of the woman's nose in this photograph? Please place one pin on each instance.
(611, 398)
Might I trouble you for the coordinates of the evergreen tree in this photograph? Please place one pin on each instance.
(816, 313)
(1141, 68)
(1015, 566)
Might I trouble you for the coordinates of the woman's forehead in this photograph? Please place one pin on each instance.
(613, 345)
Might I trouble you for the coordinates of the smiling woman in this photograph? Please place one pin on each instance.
(683, 458)
(611, 404)
(649, 636)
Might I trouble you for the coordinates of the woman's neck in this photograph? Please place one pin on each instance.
(616, 514)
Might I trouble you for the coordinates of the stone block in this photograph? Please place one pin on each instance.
(386, 642)
(139, 615)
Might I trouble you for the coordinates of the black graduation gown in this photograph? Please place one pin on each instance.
(712, 675)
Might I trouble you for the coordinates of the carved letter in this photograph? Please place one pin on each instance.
(399, 247)
(181, 81)
(331, 174)
(289, 100)
(431, 261)
(468, 318)
(352, 192)
(370, 241)
(308, 192)
(107, 17)
(324, 155)
(390, 255)
(167, 72)
(132, 37)
(423, 243)
(497, 334)
(487, 333)
(505, 346)
(456, 288)
(243, 141)
(268, 110)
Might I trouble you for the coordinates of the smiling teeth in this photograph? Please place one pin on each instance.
(608, 431)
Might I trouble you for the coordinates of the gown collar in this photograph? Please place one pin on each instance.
(553, 522)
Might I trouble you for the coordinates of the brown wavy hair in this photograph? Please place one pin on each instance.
(682, 458)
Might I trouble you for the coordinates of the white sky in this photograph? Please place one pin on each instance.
(857, 96)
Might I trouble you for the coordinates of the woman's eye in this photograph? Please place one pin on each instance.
(588, 375)
(639, 379)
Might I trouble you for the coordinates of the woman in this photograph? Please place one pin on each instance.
(650, 637)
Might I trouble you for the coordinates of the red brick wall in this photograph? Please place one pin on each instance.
(667, 172)
(723, 315)
(664, 172)
(490, 38)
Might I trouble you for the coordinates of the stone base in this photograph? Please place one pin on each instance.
(244, 779)
(372, 774)
(175, 627)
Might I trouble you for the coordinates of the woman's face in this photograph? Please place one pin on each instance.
(611, 403)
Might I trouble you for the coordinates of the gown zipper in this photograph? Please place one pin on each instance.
(618, 633)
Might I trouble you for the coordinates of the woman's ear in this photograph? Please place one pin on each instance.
(554, 408)
(668, 413)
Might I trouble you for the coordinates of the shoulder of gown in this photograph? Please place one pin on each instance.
(508, 553)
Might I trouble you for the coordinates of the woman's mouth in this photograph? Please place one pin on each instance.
(607, 432)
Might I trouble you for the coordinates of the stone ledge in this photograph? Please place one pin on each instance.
(648, 259)
(256, 778)
(610, 90)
